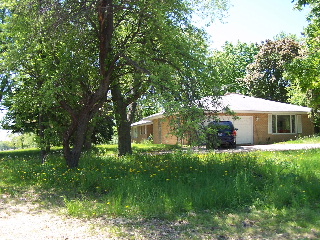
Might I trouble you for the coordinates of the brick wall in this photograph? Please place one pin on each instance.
(141, 135)
(260, 129)
(161, 130)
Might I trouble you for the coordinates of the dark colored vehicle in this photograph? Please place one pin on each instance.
(221, 133)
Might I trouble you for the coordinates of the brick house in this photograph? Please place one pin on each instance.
(260, 121)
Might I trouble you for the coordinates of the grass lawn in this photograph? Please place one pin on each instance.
(258, 195)
(305, 140)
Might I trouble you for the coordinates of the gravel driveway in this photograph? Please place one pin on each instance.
(267, 147)
(277, 147)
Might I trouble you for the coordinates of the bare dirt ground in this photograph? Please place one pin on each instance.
(24, 220)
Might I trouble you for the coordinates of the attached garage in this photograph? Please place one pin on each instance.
(245, 128)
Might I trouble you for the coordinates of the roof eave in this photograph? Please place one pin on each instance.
(141, 123)
(273, 112)
(154, 116)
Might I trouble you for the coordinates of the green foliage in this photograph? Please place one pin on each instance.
(188, 125)
(6, 145)
(65, 56)
(230, 65)
(24, 141)
(296, 95)
(5, 81)
(137, 148)
(305, 69)
(19, 142)
(101, 128)
(147, 105)
(212, 140)
(265, 76)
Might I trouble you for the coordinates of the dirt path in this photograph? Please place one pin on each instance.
(24, 221)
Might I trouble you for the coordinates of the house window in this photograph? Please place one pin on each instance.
(135, 132)
(285, 123)
(143, 130)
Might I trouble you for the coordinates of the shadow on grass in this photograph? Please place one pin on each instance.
(256, 224)
(245, 223)
(179, 195)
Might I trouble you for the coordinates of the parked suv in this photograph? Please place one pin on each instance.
(221, 133)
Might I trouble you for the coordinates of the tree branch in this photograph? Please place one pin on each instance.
(136, 65)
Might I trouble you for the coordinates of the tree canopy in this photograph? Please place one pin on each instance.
(265, 76)
(231, 63)
(68, 57)
(305, 70)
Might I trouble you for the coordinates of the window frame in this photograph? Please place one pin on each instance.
(143, 129)
(135, 132)
(294, 118)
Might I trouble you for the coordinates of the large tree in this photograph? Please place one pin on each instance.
(305, 70)
(265, 76)
(231, 63)
(71, 53)
(177, 72)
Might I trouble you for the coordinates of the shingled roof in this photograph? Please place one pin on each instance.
(241, 103)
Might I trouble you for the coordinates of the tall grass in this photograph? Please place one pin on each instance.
(169, 184)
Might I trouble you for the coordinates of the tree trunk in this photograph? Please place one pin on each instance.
(72, 156)
(75, 137)
(76, 134)
(122, 120)
(123, 127)
(124, 137)
(44, 152)
(88, 138)
(44, 143)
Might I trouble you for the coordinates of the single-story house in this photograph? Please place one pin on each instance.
(260, 121)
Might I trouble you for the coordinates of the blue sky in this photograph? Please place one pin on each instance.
(256, 21)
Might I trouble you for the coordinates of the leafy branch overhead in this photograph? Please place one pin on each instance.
(70, 57)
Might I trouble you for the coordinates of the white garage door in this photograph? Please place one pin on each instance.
(245, 128)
